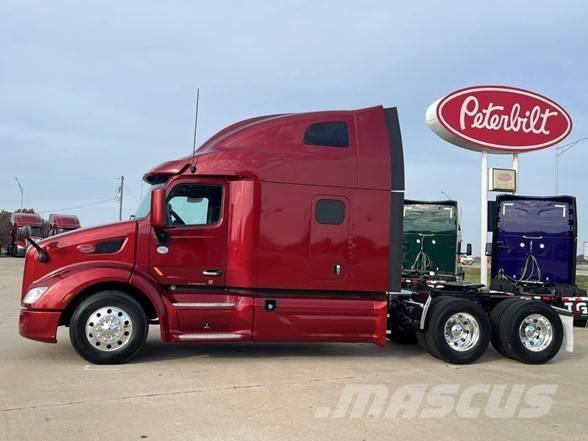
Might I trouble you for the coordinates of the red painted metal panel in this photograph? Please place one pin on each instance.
(209, 312)
(373, 151)
(63, 251)
(243, 235)
(39, 325)
(307, 319)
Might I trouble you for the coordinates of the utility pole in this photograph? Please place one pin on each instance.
(120, 197)
(484, 220)
(21, 194)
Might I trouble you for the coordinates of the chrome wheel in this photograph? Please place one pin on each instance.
(109, 328)
(462, 331)
(536, 332)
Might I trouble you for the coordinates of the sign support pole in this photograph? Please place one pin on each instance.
(515, 167)
(484, 220)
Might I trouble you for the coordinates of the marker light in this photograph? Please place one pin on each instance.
(33, 295)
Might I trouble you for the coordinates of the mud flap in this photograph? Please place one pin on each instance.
(424, 314)
(567, 321)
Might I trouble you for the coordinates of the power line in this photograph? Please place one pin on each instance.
(78, 207)
(131, 193)
(560, 150)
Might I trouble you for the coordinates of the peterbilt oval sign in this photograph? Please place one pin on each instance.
(498, 119)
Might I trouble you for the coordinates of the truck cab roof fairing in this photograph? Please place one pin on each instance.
(32, 219)
(272, 148)
(64, 220)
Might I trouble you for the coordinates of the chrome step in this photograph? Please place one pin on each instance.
(203, 305)
(210, 336)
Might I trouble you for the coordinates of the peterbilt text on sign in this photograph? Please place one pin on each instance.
(498, 119)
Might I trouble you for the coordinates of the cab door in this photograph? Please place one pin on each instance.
(191, 249)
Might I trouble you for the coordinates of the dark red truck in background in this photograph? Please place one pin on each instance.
(282, 228)
(61, 223)
(17, 243)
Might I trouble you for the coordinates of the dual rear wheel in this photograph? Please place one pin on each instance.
(526, 330)
(458, 330)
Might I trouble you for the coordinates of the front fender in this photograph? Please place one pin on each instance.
(148, 286)
(65, 285)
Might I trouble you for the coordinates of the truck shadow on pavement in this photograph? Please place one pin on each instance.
(154, 351)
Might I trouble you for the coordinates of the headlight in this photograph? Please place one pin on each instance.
(33, 295)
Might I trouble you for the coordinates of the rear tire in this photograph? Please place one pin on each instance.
(530, 332)
(458, 331)
(581, 323)
(420, 333)
(495, 318)
(108, 327)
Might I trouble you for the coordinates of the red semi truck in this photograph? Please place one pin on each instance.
(62, 223)
(280, 228)
(17, 243)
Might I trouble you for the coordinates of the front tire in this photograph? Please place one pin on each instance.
(108, 327)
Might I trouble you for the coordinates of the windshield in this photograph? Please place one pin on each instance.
(36, 231)
(429, 217)
(143, 209)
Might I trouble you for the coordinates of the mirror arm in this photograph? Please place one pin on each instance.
(43, 256)
(162, 236)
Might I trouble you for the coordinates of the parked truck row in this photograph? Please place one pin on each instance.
(279, 228)
(17, 243)
(533, 248)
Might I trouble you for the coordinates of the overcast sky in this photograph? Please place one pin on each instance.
(90, 91)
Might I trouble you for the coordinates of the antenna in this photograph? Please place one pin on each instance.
(193, 168)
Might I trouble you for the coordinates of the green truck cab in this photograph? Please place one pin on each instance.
(432, 240)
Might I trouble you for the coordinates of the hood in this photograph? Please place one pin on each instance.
(102, 245)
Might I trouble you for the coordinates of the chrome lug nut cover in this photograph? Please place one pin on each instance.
(536, 332)
(109, 328)
(462, 331)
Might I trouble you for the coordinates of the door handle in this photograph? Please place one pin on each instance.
(212, 273)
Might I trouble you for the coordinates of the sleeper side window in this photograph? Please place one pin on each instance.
(328, 134)
(330, 212)
(192, 204)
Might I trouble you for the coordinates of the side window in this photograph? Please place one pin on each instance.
(329, 134)
(330, 212)
(191, 204)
